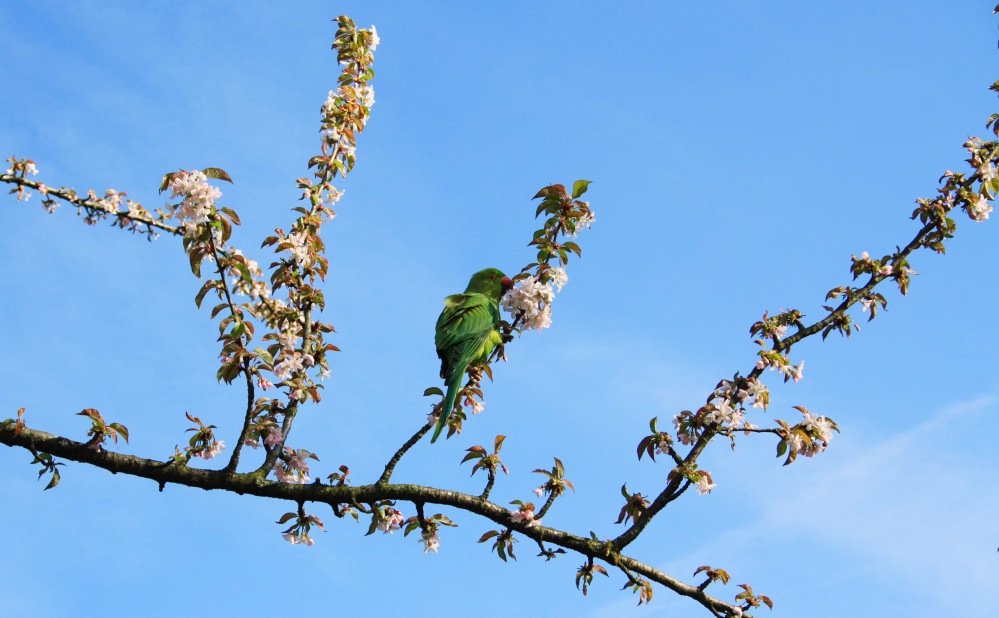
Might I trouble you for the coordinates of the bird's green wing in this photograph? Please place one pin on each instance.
(465, 334)
(462, 329)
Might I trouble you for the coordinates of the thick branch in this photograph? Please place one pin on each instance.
(253, 484)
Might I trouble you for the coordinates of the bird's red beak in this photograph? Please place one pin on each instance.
(507, 283)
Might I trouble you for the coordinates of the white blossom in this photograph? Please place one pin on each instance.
(704, 484)
(987, 171)
(559, 277)
(533, 301)
(431, 542)
(584, 222)
(299, 247)
(366, 95)
(291, 363)
(979, 209)
(818, 425)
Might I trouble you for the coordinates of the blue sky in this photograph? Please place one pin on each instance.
(739, 155)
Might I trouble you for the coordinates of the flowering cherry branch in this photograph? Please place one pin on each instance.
(723, 414)
(127, 214)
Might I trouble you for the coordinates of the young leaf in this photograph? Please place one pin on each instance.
(579, 187)
(217, 173)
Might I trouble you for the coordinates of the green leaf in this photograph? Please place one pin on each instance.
(217, 173)
(579, 187)
(433, 390)
(204, 290)
(245, 272)
(264, 355)
(120, 429)
(195, 257)
(55, 480)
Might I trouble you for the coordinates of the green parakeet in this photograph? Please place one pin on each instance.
(467, 332)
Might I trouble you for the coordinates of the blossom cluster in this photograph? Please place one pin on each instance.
(812, 435)
(203, 443)
(293, 467)
(978, 205)
(298, 532)
(391, 520)
(524, 515)
(253, 286)
(209, 452)
(531, 300)
(126, 213)
(266, 430)
(727, 407)
(199, 197)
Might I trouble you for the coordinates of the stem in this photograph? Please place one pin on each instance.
(245, 432)
(489, 484)
(390, 466)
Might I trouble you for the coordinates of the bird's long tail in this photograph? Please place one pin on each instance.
(449, 400)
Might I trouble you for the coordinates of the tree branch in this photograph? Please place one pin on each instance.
(253, 484)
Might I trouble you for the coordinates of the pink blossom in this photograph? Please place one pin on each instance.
(273, 437)
(288, 474)
(391, 523)
(524, 516)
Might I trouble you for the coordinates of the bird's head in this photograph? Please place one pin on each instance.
(491, 282)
